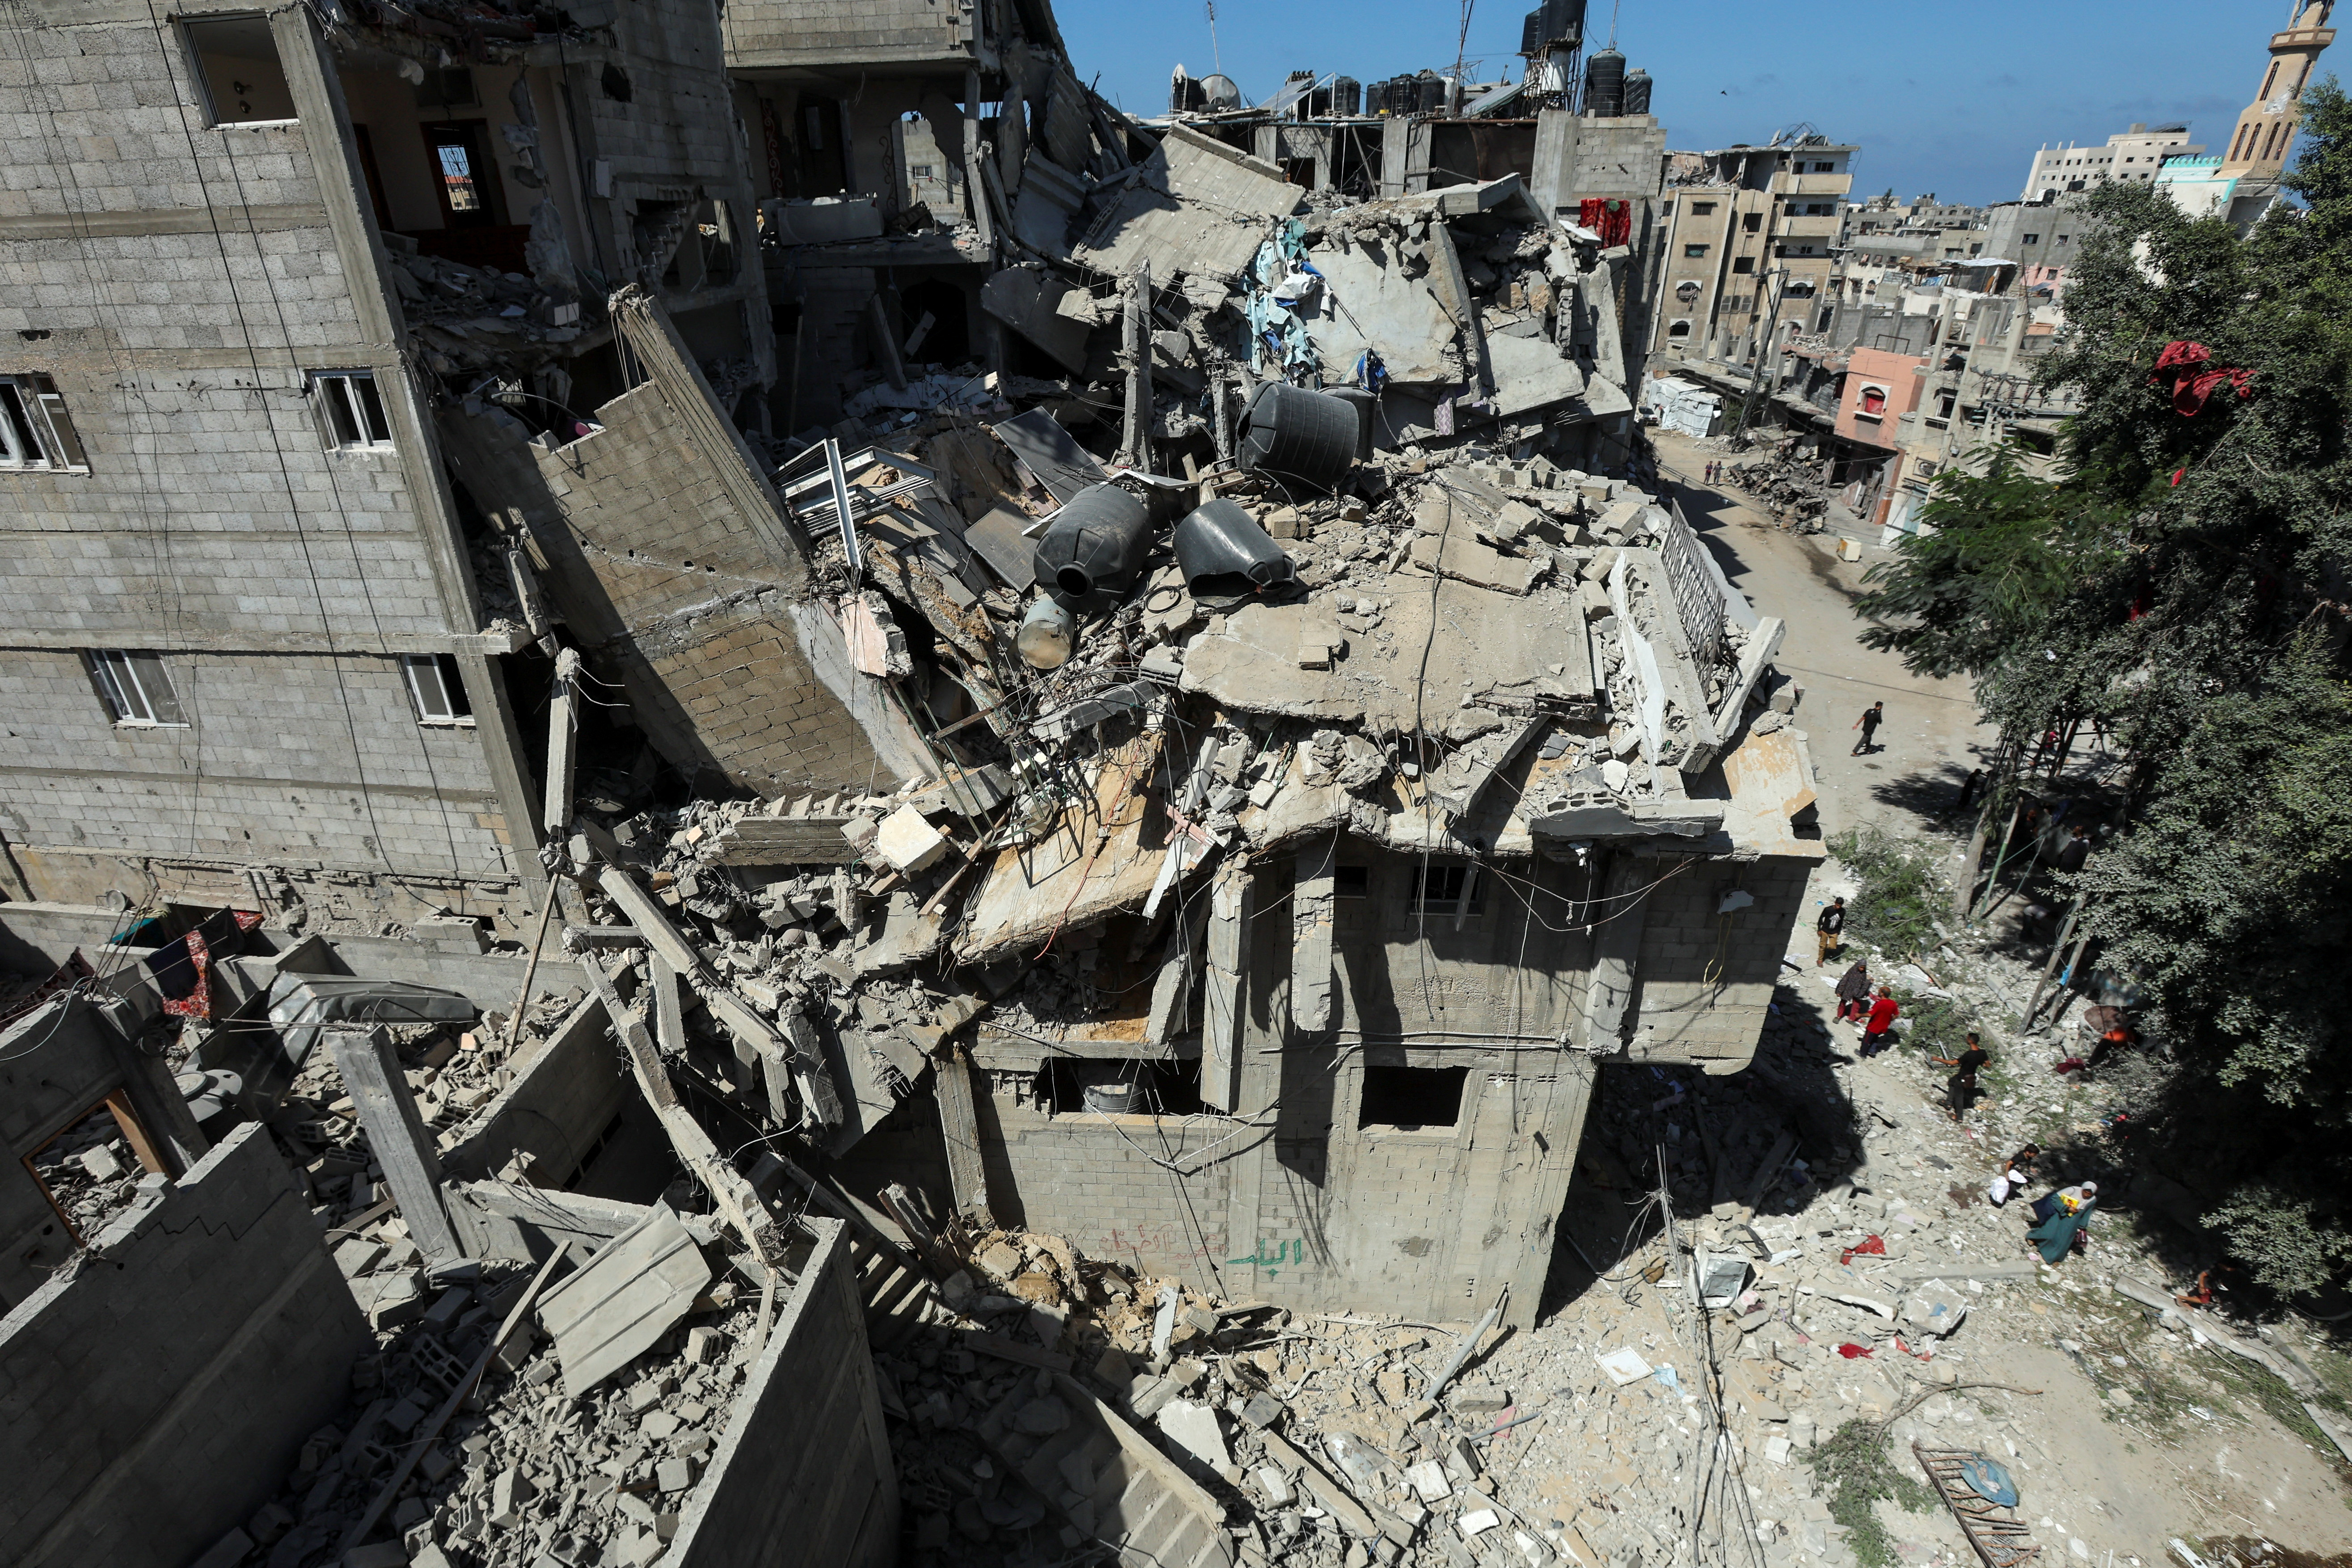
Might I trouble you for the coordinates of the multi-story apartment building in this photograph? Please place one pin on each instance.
(1751, 245)
(293, 296)
(2133, 155)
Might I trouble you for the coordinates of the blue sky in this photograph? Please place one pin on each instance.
(1953, 100)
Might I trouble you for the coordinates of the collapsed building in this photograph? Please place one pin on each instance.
(680, 835)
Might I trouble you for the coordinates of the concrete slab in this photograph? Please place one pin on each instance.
(1369, 302)
(1195, 206)
(611, 1311)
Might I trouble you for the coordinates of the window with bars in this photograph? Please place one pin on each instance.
(134, 688)
(350, 412)
(35, 431)
(435, 690)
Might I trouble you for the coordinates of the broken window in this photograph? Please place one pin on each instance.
(1410, 1099)
(1743, 264)
(35, 431)
(1073, 1086)
(236, 60)
(350, 410)
(1687, 290)
(1444, 889)
(134, 686)
(436, 688)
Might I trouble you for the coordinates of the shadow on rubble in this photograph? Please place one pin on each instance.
(1764, 1142)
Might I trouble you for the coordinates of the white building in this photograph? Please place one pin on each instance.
(2134, 154)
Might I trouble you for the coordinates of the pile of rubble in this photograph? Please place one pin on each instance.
(1788, 487)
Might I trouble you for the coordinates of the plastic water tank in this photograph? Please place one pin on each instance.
(1637, 91)
(1184, 95)
(1564, 24)
(1346, 97)
(1605, 85)
(1226, 557)
(1218, 94)
(1429, 93)
(1532, 36)
(1094, 547)
(1304, 440)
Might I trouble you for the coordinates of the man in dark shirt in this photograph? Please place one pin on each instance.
(1961, 1089)
(1872, 716)
(1830, 927)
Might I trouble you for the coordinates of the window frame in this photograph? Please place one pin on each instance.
(344, 414)
(129, 683)
(456, 708)
(37, 430)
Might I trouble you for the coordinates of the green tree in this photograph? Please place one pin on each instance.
(2185, 580)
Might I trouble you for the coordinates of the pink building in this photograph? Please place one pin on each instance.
(1880, 388)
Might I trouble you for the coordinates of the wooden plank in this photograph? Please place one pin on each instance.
(1328, 1492)
(119, 1103)
(959, 1130)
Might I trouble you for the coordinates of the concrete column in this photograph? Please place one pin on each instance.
(397, 1136)
(1226, 1004)
(497, 732)
(1311, 903)
(1616, 948)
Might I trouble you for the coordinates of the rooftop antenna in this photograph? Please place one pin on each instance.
(1214, 57)
(1615, 6)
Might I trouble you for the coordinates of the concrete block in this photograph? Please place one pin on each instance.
(908, 842)
(673, 1475)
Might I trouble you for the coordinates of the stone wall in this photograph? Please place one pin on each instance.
(157, 1395)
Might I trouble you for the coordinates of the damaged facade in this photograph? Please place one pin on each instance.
(703, 769)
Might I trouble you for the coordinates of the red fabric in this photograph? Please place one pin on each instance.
(1882, 1015)
(1852, 1353)
(1611, 220)
(2187, 368)
(1875, 1246)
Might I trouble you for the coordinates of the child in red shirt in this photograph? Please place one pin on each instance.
(1882, 1013)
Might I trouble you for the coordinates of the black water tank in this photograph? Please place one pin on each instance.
(1429, 93)
(1564, 24)
(1092, 549)
(1346, 97)
(1532, 36)
(1319, 104)
(1302, 440)
(1637, 91)
(1225, 555)
(1184, 94)
(1605, 85)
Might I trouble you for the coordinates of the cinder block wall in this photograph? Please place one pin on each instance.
(660, 573)
(311, 759)
(766, 33)
(803, 1475)
(1704, 979)
(157, 1395)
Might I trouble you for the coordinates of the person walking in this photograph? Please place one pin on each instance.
(1961, 1089)
(1875, 1027)
(1853, 990)
(1872, 716)
(1831, 930)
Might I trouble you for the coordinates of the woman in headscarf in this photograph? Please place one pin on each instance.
(2063, 1215)
(1853, 990)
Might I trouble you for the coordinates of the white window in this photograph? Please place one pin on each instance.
(134, 688)
(35, 431)
(351, 413)
(435, 690)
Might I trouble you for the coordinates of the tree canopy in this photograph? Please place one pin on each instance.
(2184, 579)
